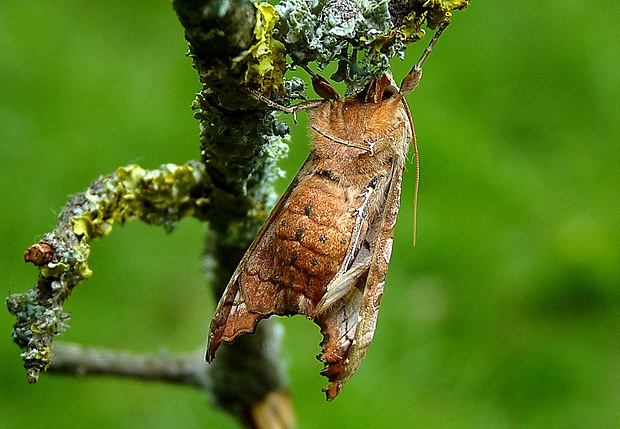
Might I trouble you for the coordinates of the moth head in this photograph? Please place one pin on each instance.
(379, 90)
(387, 120)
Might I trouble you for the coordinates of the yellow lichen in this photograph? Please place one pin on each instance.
(265, 58)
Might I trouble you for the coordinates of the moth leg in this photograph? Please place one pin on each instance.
(413, 78)
(369, 147)
(322, 86)
(291, 110)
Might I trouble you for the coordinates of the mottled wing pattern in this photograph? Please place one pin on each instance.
(348, 326)
(240, 308)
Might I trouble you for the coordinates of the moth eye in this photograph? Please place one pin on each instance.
(323, 239)
(283, 223)
(388, 92)
(314, 261)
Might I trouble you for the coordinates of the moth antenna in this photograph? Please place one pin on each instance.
(413, 78)
(409, 83)
(416, 161)
(292, 110)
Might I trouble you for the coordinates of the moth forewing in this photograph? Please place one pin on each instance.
(373, 290)
(233, 303)
(379, 240)
(357, 259)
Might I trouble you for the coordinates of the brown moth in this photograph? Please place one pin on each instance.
(325, 248)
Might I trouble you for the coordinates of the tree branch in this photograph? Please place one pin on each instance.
(187, 369)
(158, 197)
(240, 145)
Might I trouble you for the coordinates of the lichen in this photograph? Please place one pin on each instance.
(266, 58)
(158, 197)
(341, 30)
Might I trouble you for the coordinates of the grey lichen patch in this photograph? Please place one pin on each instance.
(35, 327)
(343, 30)
(240, 150)
(323, 31)
(159, 197)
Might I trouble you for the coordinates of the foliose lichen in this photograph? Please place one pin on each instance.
(341, 30)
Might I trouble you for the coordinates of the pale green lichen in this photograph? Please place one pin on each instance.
(35, 327)
(54, 269)
(339, 30)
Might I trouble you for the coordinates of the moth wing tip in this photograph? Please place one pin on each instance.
(212, 346)
(332, 390)
(333, 371)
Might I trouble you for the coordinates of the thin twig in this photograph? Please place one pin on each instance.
(188, 369)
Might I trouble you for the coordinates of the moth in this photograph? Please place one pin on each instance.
(325, 248)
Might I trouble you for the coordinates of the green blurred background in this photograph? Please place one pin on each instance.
(505, 315)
